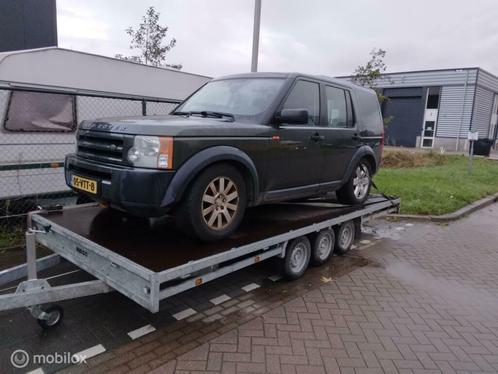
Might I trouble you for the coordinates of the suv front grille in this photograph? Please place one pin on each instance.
(103, 146)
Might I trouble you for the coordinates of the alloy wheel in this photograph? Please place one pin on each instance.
(361, 181)
(220, 202)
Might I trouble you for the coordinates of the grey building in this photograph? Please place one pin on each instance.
(27, 24)
(437, 108)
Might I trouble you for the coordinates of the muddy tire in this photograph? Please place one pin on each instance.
(214, 204)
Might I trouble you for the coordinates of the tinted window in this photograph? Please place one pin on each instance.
(39, 111)
(369, 108)
(337, 113)
(245, 98)
(349, 104)
(305, 95)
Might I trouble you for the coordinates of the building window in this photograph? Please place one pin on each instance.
(433, 98)
(40, 112)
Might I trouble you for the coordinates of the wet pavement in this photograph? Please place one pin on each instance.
(411, 298)
(427, 302)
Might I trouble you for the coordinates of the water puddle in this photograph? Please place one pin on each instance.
(451, 291)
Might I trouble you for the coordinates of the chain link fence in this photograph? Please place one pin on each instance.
(37, 129)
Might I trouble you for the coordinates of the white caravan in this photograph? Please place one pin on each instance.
(45, 93)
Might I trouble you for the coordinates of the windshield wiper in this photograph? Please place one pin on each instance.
(205, 113)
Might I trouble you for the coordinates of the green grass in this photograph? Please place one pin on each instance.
(439, 189)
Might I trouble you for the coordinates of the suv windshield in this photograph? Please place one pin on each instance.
(245, 98)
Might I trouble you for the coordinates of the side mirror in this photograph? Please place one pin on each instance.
(293, 116)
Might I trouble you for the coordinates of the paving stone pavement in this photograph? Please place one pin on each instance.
(427, 303)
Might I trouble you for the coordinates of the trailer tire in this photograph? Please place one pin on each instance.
(297, 258)
(56, 314)
(229, 204)
(345, 235)
(322, 246)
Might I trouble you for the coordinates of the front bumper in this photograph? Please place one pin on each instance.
(138, 191)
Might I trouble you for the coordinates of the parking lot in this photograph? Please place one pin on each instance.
(412, 297)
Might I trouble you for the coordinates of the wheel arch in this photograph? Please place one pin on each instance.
(363, 152)
(189, 170)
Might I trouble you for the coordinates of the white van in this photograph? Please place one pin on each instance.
(45, 93)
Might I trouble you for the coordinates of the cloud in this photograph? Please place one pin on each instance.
(79, 23)
(314, 36)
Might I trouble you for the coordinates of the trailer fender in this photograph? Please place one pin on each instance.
(190, 168)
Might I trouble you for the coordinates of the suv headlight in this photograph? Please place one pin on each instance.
(152, 152)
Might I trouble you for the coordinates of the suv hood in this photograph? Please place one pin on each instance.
(178, 126)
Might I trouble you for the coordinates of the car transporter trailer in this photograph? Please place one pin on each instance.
(149, 263)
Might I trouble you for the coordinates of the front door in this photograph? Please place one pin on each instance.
(494, 120)
(430, 118)
(295, 156)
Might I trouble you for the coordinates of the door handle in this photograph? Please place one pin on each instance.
(317, 137)
(356, 137)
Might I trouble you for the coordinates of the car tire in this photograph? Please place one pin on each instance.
(357, 188)
(214, 204)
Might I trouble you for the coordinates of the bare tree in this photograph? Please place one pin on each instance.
(149, 39)
(368, 75)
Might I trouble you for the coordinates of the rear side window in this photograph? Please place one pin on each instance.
(305, 95)
(337, 113)
(370, 111)
(40, 112)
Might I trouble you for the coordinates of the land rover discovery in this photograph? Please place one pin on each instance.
(239, 141)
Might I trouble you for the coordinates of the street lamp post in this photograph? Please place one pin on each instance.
(255, 35)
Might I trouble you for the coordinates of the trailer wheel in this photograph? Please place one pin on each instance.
(297, 258)
(322, 246)
(345, 237)
(53, 317)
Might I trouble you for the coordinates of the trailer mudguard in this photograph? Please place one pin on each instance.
(190, 168)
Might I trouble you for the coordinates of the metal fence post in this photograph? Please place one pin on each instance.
(31, 254)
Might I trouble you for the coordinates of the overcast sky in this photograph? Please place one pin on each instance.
(332, 37)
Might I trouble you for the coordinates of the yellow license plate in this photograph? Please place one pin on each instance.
(84, 184)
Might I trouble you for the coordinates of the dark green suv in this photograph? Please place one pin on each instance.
(238, 141)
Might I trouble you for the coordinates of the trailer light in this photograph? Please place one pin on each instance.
(151, 152)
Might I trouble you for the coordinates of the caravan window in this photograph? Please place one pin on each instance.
(40, 111)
